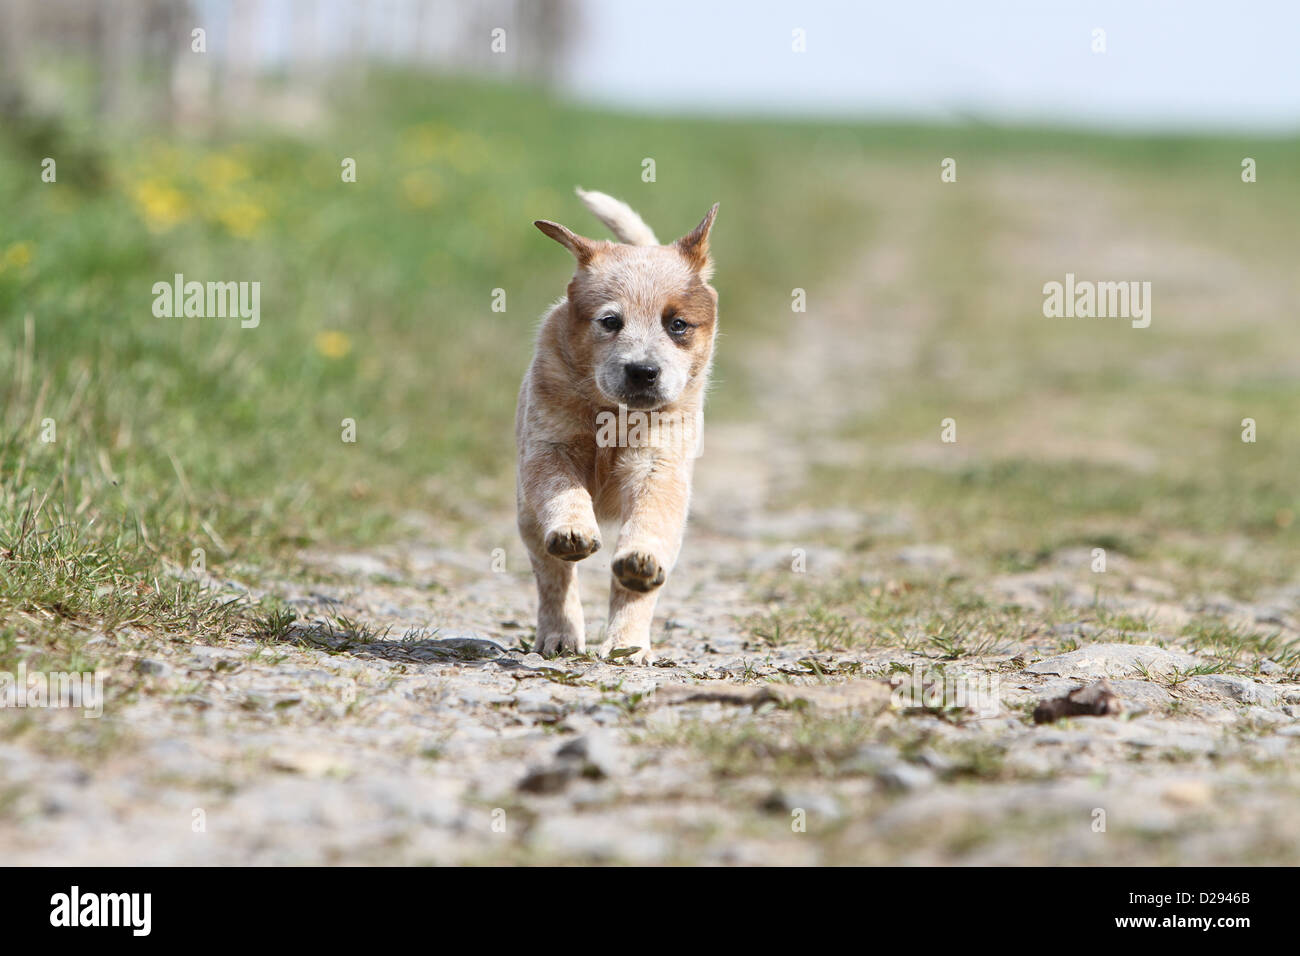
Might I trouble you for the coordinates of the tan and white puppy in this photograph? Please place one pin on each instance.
(609, 420)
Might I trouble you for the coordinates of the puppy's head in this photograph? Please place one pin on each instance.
(641, 317)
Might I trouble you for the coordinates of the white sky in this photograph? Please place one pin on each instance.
(1169, 64)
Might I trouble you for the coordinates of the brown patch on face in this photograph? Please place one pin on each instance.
(698, 307)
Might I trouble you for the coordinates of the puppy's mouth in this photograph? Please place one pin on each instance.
(643, 401)
(634, 399)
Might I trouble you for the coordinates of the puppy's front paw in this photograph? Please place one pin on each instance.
(638, 571)
(572, 544)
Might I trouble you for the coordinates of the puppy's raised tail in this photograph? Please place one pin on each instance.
(619, 217)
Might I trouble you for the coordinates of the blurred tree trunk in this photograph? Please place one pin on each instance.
(306, 54)
(240, 55)
(188, 75)
(359, 37)
(548, 24)
(109, 53)
(14, 27)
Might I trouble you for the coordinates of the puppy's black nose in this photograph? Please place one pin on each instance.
(641, 376)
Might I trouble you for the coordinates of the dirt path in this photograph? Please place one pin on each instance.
(400, 720)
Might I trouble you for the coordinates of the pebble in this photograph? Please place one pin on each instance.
(1115, 660)
(906, 777)
(1238, 688)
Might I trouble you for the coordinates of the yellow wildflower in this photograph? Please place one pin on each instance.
(17, 256)
(333, 345)
(242, 218)
(422, 188)
(161, 205)
(218, 171)
(419, 144)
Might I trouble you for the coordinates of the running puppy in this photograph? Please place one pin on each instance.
(609, 421)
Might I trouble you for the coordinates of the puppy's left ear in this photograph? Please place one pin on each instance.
(695, 244)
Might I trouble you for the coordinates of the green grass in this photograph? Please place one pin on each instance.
(1237, 646)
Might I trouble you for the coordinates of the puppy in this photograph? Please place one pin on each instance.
(609, 421)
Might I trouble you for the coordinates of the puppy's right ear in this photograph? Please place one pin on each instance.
(581, 247)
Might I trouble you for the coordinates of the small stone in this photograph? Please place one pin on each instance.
(537, 703)
(906, 777)
(1160, 589)
(818, 806)
(1220, 605)
(605, 714)
(308, 763)
(362, 564)
(1238, 688)
(927, 556)
(1272, 748)
(1273, 615)
(935, 761)
(595, 754)
(471, 695)
(1094, 700)
(463, 649)
(871, 758)
(592, 756)
(1115, 660)
(601, 839)
(548, 779)
(1187, 793)
(1141, 695)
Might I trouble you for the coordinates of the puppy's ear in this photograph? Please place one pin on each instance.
(581, 247)
(695, 244)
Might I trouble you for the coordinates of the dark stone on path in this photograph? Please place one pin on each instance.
(1094, 700)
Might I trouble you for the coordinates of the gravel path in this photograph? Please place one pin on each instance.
(447, 745)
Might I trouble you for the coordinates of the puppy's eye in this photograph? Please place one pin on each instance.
(678, 326)
(610, 322)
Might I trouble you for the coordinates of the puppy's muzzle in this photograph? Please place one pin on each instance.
(641, 385)
(640, 376)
